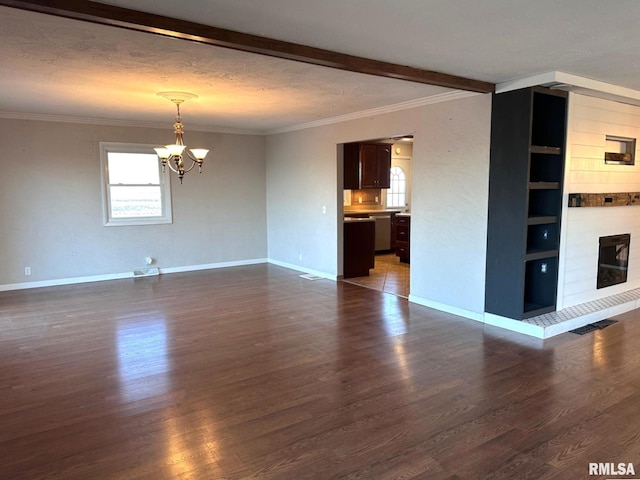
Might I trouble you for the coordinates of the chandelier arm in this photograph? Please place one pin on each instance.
(190, 155)
(170, 161)
(168, 164)
(195, 161)
(193, 164)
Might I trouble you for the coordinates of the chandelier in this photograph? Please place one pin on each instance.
(174, 155)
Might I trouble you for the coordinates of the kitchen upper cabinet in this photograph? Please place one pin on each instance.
(375, 166)
(367, 165)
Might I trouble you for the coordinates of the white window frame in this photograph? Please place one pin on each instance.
(401, 182)
(165, 187)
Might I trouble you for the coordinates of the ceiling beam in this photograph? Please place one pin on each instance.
(157, 24)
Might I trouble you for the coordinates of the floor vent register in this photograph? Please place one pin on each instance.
(593, 326)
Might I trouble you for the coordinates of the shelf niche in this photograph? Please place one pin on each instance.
(620, 150)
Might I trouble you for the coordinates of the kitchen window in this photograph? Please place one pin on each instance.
(397, 194)
(135, 192)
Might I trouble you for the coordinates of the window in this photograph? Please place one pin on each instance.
(397, 194)
(135, 192)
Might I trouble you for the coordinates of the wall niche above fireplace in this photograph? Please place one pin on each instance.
(620, 150)
(613, 260)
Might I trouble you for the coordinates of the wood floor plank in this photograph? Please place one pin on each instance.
(255, 373)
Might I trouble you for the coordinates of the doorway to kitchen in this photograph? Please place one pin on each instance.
(385, 201)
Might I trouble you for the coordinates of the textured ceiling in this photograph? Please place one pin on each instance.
(72, 68)
(491, 40)
(65, 67)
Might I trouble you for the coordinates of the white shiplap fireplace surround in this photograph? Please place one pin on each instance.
(590, 121)
(579, 302)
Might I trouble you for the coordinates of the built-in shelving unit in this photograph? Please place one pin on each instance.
(528, 130)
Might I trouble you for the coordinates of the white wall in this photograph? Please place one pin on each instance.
(449, 197)
(590, 120)
(51, 204)
(449, 204)
(301, 178)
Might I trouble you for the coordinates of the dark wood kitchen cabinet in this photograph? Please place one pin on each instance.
(402, 233)
(367, 165)
(528, 130)
(359, 247)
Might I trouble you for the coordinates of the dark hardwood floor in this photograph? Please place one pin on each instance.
(256, 373)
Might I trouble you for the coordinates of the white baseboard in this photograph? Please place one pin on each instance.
(64, 281)
(461, 312)
(514, 325)
(299, 268)
(211, 266)
(120, 276)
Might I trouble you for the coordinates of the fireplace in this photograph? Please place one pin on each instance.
(613, 260)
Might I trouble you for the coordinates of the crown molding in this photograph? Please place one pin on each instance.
(443, 97)
(419, 102)
(42, 117)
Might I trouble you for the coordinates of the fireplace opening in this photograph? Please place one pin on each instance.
(613, 260)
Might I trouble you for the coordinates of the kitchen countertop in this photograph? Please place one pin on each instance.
(354, 220)
(371, 212)
(403, 214)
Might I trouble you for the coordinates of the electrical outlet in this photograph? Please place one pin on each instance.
(299, 257)
(324, 209)
(27, 270)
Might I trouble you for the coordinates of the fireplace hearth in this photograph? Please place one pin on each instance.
(613, 260)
